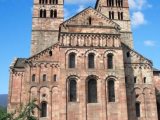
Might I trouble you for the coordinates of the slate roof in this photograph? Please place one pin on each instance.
(20, 62)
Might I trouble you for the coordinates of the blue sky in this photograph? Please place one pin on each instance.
(16, 20)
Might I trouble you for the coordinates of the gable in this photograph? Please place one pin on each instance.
(90, 21)
(134, 57)
(49, 55)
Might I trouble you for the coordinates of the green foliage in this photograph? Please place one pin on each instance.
(24, 112)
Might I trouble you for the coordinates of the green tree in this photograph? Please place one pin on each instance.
(24, 112)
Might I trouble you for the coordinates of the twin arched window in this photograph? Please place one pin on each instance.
(111, 90)
(42, 13)
(137, 105)
(53, 13)
(53, 1)
(72, 60)
(44, 109)
(72, 90)
(91, 61)
(92, 91)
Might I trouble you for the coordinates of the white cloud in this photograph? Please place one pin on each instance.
(138, 19)
(139, 4)
(81, 7)
(79, 1)
(149, 43)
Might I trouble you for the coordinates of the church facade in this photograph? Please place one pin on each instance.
(85, 68)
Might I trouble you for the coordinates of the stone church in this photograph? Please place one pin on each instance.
(85, 68)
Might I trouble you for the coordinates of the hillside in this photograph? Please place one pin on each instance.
(3, 100)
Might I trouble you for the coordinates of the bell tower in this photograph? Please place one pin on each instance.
(47, 16)
(118, 11)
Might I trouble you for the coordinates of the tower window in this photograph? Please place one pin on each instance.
(92, 91)
(33, 78)
(120, 15)
(55, 13)
(110, 3)
(44, 77)
(110, 61)
(138, 109)
(119, 3)
(111, 91)
(72, 57)
(55, 77)
(55, 1)
(144, 79)
(135, 79)
(72, 90)
(111, 15)
(51, 14)
(42, 13)
(91, 60)
(44, 109)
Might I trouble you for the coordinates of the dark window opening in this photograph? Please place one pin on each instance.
(111, 91)
(33, 78)
(138, 109)
(110, 3)
(126, 79)
(51, 14)
(128, 54)
(55, 77)
(111, 15)
(92, 91)
(90, 20)
(50, 53)
(91, 60)
(43, 109)
(55, 1)
(42, 13)
(44, 77)
(55, 13)
(144, 79)
(73, 90)
(72, 60)
(110, 61)
(120, 15)
(135, 79)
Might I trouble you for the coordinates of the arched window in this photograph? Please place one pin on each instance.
(55, 77)
(51, 14)
(44, 109)
(44, 77)
(112, 15)
(55, 13)
(92, 91)
(72, 90)
(144, 79)
(55, 2)
(46, 1)
(72, 60)
(111, 91)
(110, 3)
(44, 13)
(91, 63)
(40, 1)
(138, 114)
(33, 78)
(121, 15)
(50, 53)
(110, 61)
(90, 20)
(135, 79)
(41, 13)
